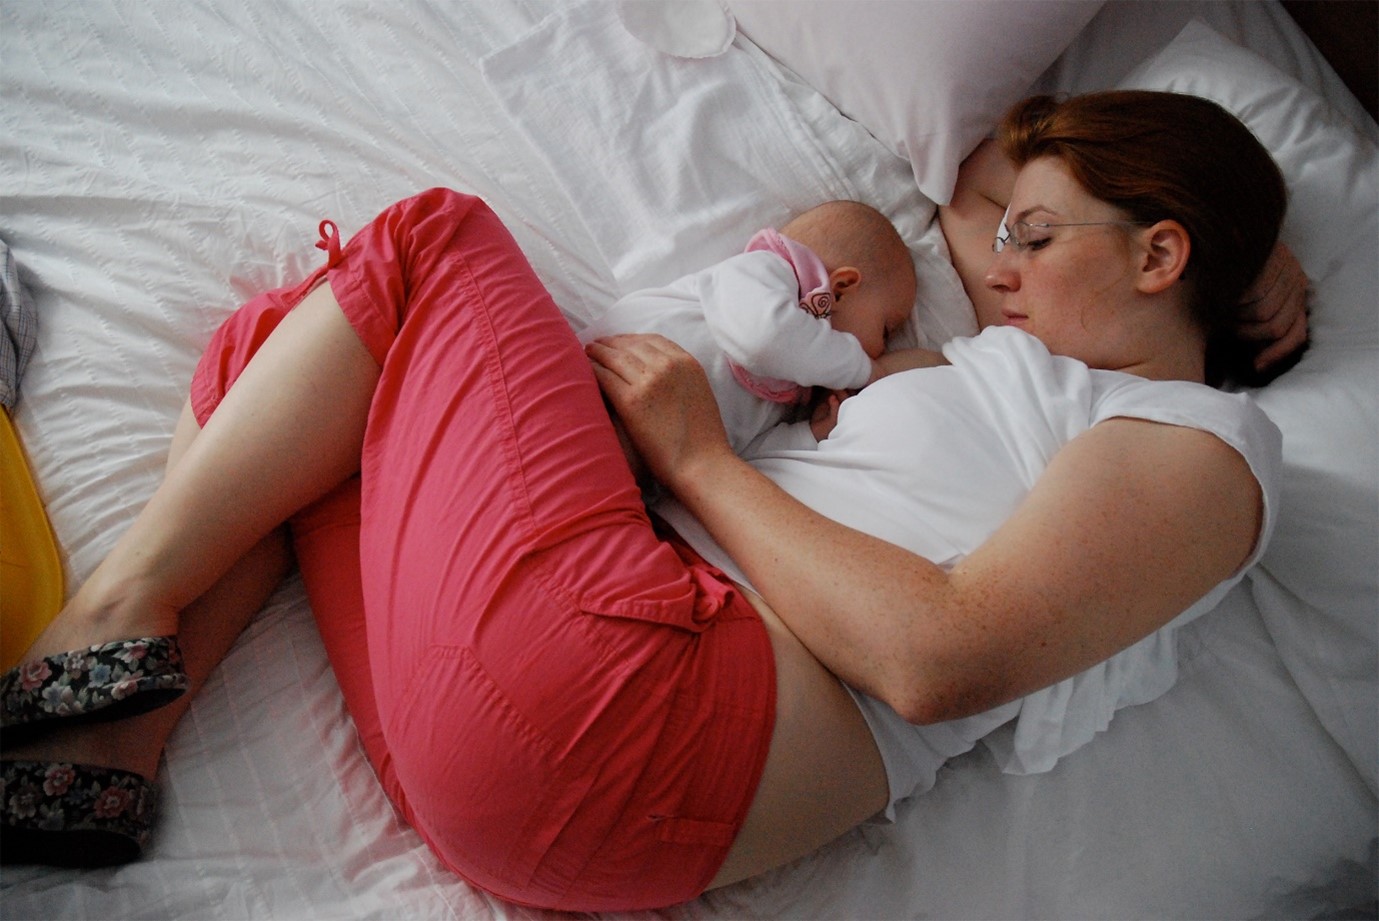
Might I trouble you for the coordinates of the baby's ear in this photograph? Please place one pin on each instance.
(839, 280)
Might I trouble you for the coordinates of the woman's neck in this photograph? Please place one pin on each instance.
(1171, 367)
(1170, 350)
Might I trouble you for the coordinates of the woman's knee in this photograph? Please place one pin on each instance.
(183, 435)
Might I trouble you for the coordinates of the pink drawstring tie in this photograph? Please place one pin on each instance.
(330, 242)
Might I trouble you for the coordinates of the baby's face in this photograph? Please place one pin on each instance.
(872, 312)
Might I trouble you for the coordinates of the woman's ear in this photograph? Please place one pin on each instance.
(1165, 259)
(839, 280)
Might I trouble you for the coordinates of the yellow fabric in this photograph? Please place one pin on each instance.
(31, 584)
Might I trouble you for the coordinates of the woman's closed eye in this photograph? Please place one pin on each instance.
(1024, 237)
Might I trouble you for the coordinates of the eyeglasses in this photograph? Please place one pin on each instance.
(1018, 234)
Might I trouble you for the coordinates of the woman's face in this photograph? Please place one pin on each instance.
(1070, 286)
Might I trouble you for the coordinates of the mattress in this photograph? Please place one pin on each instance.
(160, 165)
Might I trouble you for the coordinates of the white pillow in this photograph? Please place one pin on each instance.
(1317, 585)
(672, 164)
(928, 78)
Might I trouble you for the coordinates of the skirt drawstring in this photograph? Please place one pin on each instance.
(330, 242)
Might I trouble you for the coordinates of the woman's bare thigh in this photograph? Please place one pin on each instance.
(823, 775)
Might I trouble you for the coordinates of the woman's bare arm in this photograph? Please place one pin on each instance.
(969, 222)
(1131, 523)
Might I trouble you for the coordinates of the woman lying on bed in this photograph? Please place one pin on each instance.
(568, 703)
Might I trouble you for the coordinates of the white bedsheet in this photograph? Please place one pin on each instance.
(159, 164)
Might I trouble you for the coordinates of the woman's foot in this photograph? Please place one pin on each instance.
(96, 684)
(135, 744)
(74, 815)
(83, 796)
(104, 611)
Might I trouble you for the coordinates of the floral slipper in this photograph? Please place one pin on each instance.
(73, 815)
(103, 682)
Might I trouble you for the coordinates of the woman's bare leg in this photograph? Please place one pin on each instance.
(208, 628)
(823, 775)
(289, 430)
(207, 551)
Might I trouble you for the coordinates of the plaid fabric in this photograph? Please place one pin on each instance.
(21, 329)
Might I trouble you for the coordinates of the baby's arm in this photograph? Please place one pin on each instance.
(751, 306)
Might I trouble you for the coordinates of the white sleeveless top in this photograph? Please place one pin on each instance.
(936, 460)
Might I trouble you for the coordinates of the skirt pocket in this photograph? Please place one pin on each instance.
(488, 791)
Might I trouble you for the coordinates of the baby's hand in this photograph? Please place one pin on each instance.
(904, 360)
(825, 416)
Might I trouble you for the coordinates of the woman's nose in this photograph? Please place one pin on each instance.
(1001, 274)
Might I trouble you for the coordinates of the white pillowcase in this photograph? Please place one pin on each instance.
(668, 176)
(928, 78)
(1317, 585)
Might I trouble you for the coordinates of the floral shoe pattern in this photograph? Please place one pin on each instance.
(103, 682)
(73, 815)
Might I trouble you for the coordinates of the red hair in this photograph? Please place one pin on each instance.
(1159, 156)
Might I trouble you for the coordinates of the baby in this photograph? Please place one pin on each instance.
(809, 306)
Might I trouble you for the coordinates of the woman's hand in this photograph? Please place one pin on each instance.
(1275, 308)
(663, 398)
